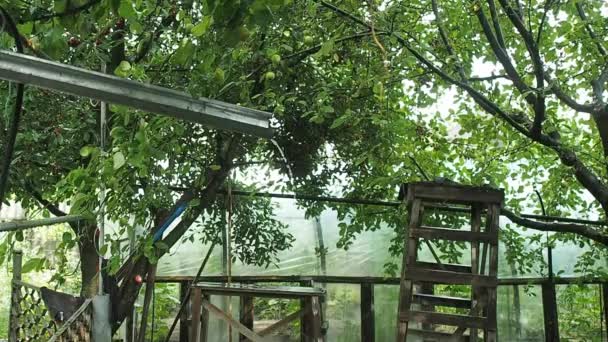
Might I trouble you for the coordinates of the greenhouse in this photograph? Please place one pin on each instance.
(280, 170)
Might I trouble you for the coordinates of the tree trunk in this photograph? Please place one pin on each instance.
(89, 261)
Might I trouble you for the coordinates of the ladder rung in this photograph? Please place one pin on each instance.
(452, 234)
(454, 193)
(435, 335)
(444, 319)
(446, 267)
(446, 277)
(454, 302)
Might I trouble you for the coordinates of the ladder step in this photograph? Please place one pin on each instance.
(446, 277)
(435, 192)
(452, 234)
(446, 267)
(444, 319)
(454, 302)
(438, 335)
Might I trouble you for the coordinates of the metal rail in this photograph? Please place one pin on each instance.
(20, 225)
(95, 85)
(366, 280)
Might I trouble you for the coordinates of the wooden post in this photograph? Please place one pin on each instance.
(304, 320)
(205, 321)
(15, 308)
(197, 305)
(367, 313)
(129, 328)
(183, 315)
(246, 315)
(150, 280)
(605, 304)
(550, 313)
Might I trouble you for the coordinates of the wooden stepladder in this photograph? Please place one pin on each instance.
(475, 313)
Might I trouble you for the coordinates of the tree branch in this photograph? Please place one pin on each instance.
(52, 208)
(69, 11)
(566, 99)
(505, 60)
(446, 41)
(497, 29)
(584, 175)
(582, 230)
(583, 15)
(537, 63)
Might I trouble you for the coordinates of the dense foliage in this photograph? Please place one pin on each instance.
(364, 95)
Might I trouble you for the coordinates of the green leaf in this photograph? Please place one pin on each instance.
(119, 160)
(202, 27)
(123, 69)
(184, 53)
(86, 151)
(32, 264)
(326, 48)
(126, 10)
(215, 167)
(340, 121)
(66, 237)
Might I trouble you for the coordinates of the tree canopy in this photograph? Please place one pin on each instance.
(365, 96)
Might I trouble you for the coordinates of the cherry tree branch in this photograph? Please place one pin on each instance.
(582, 230)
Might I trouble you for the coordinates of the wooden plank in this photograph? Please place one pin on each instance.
(246, 314)
(141, 335)
(368, 329)
(315, 324)
(435, 335)
(15, 307)
(455, 193)
(205, 322)
(476, 228)
(231, 321)
(452, 302)
(443, 267)
(604, 289)
(409, 258)
(196, 302)
(282, 324)
(446, 277)
(442, 318)
(374, 280)
(252, 290)
(431, 233)
(550, 313)
(304, 320)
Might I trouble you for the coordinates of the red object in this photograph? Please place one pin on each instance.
(120, 24)
(74, 42)
(138, 279)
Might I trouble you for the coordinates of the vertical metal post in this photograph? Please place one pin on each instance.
(550, 312)
(15, 308)
(102, 195)
(368, 322)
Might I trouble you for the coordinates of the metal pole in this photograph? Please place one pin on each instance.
(146, 97)
(103, 121)
(21, 225)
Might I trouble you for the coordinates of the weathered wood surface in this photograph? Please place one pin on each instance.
(432, 233)
(253, 290)
(442, 318)
(454, 193)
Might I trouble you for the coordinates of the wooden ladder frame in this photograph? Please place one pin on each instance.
(482, 315)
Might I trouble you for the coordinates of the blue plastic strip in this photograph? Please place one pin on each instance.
(178, 211)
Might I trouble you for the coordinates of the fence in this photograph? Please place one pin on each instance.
(30, 320)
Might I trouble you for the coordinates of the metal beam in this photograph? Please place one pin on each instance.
(146, 97)
(20, 225)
